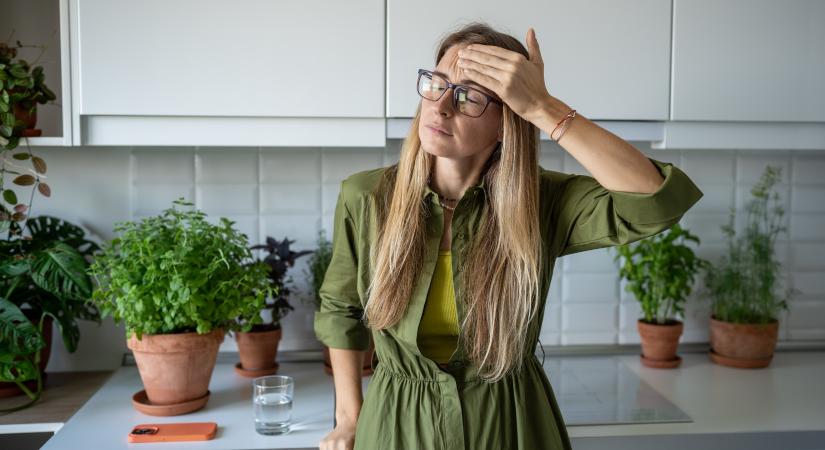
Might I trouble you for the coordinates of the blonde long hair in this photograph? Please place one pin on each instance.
(499, 283)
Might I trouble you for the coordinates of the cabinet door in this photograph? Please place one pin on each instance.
(287, 58)
(608, 59)
(749, 60)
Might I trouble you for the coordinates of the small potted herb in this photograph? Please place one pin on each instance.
(318, 264)
(42, 279)
(660, 272)
(745, 285)
(258, 346)
(21, 89)
(178, 282)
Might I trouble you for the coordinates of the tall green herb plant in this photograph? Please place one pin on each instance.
(745, 286)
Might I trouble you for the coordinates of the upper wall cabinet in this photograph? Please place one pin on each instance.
(749, 60)
(211, 72)
(608, 59)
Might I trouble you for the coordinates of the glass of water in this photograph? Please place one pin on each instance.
(272, 397)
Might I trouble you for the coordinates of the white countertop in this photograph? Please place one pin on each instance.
(787, 396)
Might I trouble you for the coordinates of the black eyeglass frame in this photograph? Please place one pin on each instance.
(456, 88)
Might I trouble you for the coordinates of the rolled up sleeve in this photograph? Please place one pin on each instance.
(589, 216)
(337, 322)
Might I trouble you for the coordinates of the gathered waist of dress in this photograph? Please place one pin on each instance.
(456, 370)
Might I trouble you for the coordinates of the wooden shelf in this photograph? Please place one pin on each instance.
(64, 394)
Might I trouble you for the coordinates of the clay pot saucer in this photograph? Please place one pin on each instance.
(659, 364)
(141, 403)
(32, 132)
(738, 362)
(254, 373)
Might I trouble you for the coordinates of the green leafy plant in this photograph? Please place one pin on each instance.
(745, 285)
(279, 258)
(21, 89)
(318, 264)
(660, 272)
(176, 273)
(42, 274)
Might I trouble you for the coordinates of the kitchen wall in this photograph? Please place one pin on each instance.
(292, 191)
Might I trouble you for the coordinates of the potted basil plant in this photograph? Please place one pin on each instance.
(660, 273)
(179, 283)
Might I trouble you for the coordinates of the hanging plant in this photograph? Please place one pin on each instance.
(22, 88)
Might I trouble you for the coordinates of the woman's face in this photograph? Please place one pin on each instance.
(467, 136)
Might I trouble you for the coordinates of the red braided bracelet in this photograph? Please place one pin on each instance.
(566, 120)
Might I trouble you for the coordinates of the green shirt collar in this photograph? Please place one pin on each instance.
(480, 186)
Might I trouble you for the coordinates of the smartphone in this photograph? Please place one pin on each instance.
(173, 432)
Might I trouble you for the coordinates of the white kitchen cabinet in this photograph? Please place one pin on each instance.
(748, 60)
(608, 59)
(209, 72)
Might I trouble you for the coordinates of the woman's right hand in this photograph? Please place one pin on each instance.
(340, 438)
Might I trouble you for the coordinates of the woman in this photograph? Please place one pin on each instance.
(445, 258)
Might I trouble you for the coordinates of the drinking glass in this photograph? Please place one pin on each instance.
(272, 398)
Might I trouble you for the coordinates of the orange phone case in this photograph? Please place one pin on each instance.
(173, 432)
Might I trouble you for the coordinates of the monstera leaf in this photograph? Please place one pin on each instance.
(60, 270)
(50, 279)
(47, 229)
(19, 343)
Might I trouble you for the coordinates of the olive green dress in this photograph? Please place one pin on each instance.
(411, 403)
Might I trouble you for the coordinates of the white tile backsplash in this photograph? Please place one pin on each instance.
(709, 168)
(292, 192)
(808, 198)
(807, 227)
(717, 198)
(809, 255)
(590, 287)
(809, 168)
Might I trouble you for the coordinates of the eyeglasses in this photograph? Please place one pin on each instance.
(466, 100)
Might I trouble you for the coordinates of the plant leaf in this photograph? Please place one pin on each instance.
(24, 180)
(44, 189)
(39, 164)
(61, 271)
(9, 196)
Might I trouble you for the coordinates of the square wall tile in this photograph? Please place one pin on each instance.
(590, 287)
(163, 165)
(298, 198)
(300, 165)
(338, 164)
(227, 166)
(228, 198)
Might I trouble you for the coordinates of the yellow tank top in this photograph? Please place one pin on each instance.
(438, 330)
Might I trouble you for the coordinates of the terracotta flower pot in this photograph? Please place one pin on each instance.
(258, 349)
(28, 118)
(10, 389)
(660, 342)
(746, 346)
(176, 368)
(366, 369)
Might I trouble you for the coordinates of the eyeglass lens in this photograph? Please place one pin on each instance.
(469, 101)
